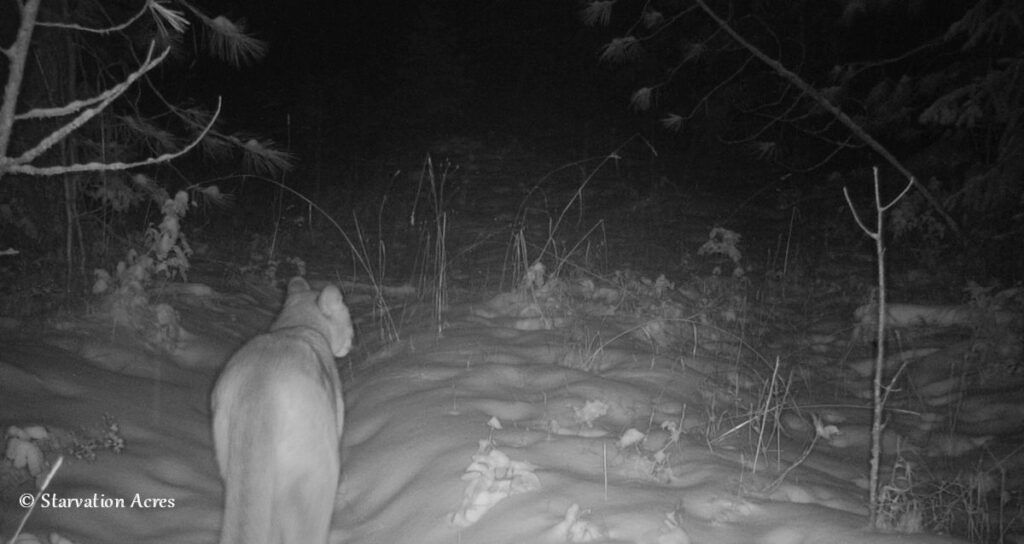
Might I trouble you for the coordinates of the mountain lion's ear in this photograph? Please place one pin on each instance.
(330, 301)
(297, 285)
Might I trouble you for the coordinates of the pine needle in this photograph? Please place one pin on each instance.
(693, 51)
(172, 17)
(212, 194)
(641, 99)
(154, 135)
(216, 147)
(597, 12)
(652, 18)
(621, 49)
(672, 121)
(259, 156)
(766, 150)
(228, 41)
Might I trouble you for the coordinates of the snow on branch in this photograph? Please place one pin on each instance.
(18, 164)
(106, 167)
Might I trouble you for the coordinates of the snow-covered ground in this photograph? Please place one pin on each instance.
(512, 426)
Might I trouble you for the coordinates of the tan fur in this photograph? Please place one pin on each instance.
(277, 422)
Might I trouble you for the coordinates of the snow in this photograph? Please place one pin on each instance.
(499, 431)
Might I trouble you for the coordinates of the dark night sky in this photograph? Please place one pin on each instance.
(371, 65)
(356, 73)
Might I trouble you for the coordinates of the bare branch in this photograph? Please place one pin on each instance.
(112, 94)
(107, 30)
(112, 166)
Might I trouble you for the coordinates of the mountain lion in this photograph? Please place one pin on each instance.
(277, 421)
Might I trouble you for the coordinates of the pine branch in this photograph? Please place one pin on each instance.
(852, 125)
(597, 12)
(228, 40)
(138, 126)
(622, 49)
(259, 156)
